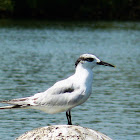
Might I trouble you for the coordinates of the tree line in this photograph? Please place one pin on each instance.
(71, 9)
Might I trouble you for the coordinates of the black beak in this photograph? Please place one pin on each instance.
(105, 64)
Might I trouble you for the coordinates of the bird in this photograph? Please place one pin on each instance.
(64, 94)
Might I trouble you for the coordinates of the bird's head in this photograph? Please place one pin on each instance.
(90, 61)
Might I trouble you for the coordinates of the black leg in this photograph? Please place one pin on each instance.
(68, 115)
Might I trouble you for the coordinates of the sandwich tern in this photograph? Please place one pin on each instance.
(65, 94)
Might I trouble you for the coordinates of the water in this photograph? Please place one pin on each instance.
(34, 57)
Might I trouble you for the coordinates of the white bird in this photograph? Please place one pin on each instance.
(65, 94)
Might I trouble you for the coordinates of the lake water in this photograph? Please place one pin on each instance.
(33, 56)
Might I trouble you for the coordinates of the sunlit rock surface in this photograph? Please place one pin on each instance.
(63, 132)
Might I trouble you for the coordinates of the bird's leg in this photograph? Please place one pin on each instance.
(68, 115)
(70, 122)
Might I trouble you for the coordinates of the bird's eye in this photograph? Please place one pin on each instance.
(89, 59)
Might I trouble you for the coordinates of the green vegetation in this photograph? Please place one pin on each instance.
(71, 9)
(6, 8)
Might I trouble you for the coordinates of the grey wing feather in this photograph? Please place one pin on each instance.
(19, 101)
(16, 103)
(61, 87)
(12, 107)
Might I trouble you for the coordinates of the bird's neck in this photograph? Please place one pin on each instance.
(84, 74)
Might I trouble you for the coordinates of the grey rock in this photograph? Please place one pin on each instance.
(63, 132)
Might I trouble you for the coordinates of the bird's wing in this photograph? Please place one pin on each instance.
(61, 87)
(62, 93)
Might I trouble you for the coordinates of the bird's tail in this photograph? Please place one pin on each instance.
(11, 107)
(16, 103)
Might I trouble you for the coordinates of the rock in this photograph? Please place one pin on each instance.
(63, 132)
